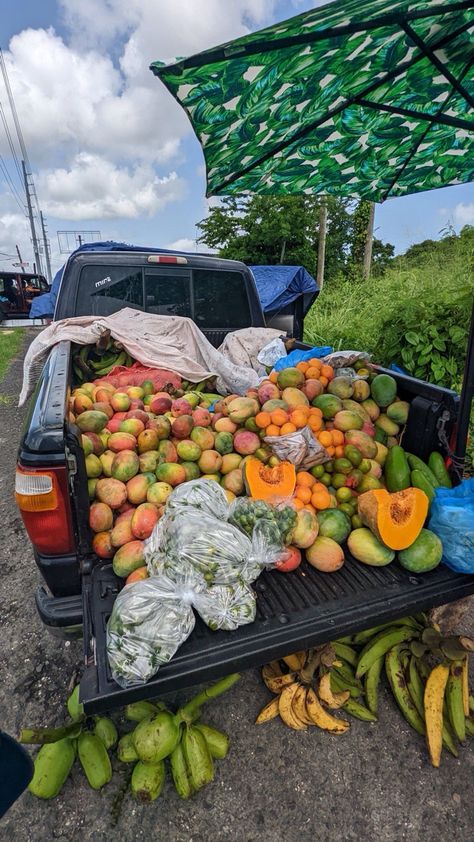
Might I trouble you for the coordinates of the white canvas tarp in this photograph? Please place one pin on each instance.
(168, 342)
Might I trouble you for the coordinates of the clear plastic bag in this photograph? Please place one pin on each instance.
(245, 514)
(203, 494)
(339, 359)
(149, 622)
(300, 448)
(151, 619)
(215, 550)
(226, 606)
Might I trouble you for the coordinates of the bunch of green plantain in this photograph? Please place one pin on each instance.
(90, 362)
(427, 673)
(189, 745)
(88, 739)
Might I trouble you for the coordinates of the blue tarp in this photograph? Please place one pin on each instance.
(279, 285)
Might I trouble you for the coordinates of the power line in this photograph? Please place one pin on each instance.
(10, 141)
(11, 186)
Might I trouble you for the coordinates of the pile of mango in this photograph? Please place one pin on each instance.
(139, 445)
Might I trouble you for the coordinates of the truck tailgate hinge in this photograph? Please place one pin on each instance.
(71, 462)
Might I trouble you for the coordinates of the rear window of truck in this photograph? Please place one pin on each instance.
(213, 298)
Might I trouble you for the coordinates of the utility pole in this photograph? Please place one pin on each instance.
(31, 218)
(19, 258)
(369, 241)
(323, 215)
(46, 248)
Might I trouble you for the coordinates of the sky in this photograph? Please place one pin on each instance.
(110, 149)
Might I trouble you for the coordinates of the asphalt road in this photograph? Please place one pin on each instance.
(373, 783)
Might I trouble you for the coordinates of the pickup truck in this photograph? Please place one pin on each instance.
(78, 590)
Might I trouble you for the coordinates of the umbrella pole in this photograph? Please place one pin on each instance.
(323, 215)
(467, 394)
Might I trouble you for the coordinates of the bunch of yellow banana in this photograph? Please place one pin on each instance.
(296, 702)
(345, 675)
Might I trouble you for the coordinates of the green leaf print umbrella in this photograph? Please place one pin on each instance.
(366, 99)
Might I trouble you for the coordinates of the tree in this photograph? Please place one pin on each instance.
(278, 229)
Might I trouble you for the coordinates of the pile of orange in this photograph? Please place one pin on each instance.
(310, 494)
(313, 369)
(332, 441)
(280, 422)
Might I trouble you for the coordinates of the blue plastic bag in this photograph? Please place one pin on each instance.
(298, 356)
(452, 519)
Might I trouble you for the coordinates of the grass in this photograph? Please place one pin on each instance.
(10, 344)
(432, 289)
(371, 315)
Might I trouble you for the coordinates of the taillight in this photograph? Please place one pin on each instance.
(166, 258)
(43, 499)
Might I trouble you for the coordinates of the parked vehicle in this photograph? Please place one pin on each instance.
(17, 293)
(295, 611)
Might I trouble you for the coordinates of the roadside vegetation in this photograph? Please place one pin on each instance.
(415, 314)
(10, 344)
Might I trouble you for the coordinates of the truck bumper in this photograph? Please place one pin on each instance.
(61, 615)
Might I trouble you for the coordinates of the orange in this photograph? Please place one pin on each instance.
(331, 450)
(305, 478)
(327, 371)
(273, 376)
(321, 499)
(302, 366)
(324, 380)
(339, 451)
(315, 423)
(263, 419)
(310, 508)
(325, 438)
(272, 430)
(299, 418)
(315, 410)
(287, 428)
(315, 362)
(297, 503)
(337, 437)
(279, 417)
(302, 493)
(312, 373)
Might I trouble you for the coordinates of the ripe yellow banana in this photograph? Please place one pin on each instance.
(269, 712)
(276, 683)
(285, 708)
(333, 701)
(433, 704)
(295, 662)
(299, 705)
(320, 717)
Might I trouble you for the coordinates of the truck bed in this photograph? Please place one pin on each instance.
(294, 611)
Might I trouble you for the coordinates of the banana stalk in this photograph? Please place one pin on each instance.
(191, 710)
(41, 736)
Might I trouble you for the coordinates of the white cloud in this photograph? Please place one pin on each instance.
(94, 188)
(463, 213)
(183, 244)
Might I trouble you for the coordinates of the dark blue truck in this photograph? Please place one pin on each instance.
(79, 589)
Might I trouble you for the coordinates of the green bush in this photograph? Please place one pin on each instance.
(416, 314)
